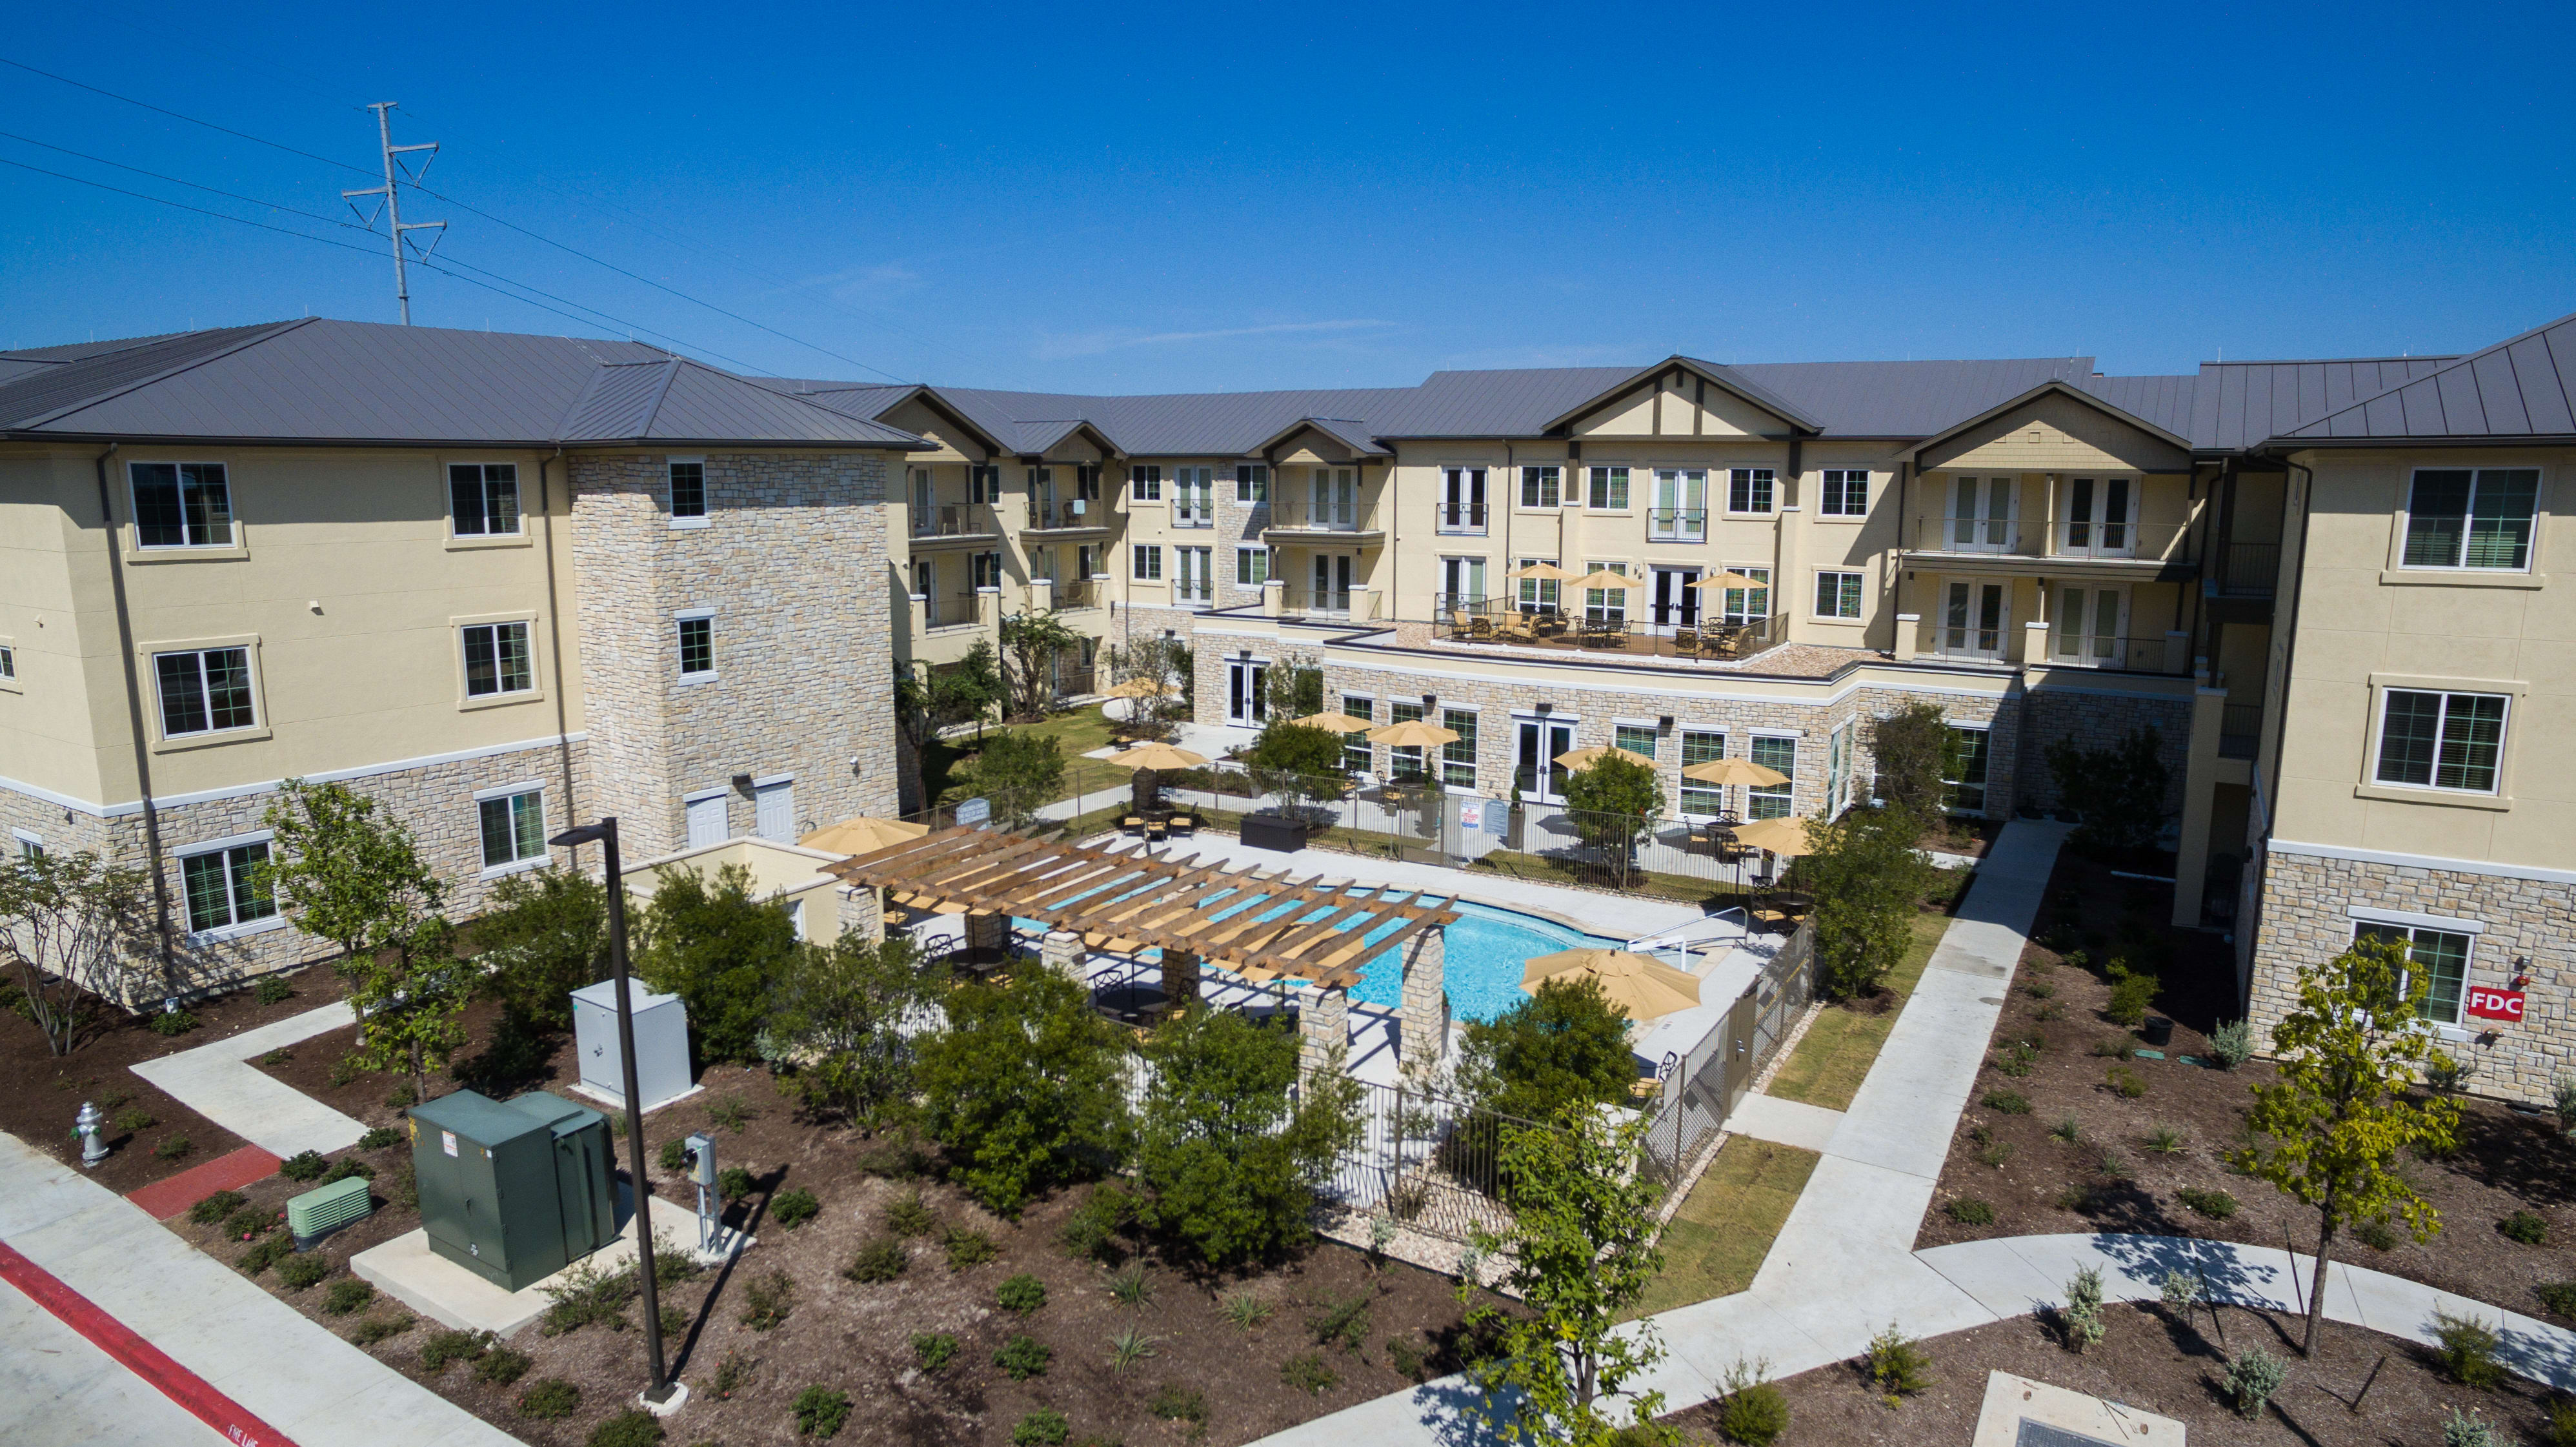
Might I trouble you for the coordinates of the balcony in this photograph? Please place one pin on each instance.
(2124, 550)
(1076, 593)
(1677, 524)
(1076, 515)
(2144, 654)
(2240, 730)
(2247, 570)
(1334, 520)
(955, 521)
(956, 610)
(1465, 619)
(1328, 605)
(1460, 517)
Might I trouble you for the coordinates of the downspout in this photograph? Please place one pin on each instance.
(1792, 495)
(134, 722)
(554, 626)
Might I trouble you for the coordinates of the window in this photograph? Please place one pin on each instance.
(2097, 519)
(1966, 791)
(1744, 607)
(1144, 484)
(1981, 514)
(204, 692)
(1462, 582)
(1846, 493)
(1355, 747)
(1748, 489)
(1086, 481)
(1698, 797)
(8, 662)
(2458, 518)
(1193, 579)
(1403, 763)
(1458, 756)
(1681, 505)
(1251, 567)
(1838, 770)
(1606, 605)
(1772, 801)
(496, 660)
(1084, 562)
(1335, 499)
(1540, 486)
(698, 647)
(1638, 739)
(224, 887)
(688, 490)
(2441, 954)
(30, 846)
(1838, 595)
(1148, 565)
(181, 505)
(2441, 740)
(1251, 483)
(483, 499)
(514, 828)
(1609, 489)
(984, 484)
(1194, 497)
(986, 569)
(2087, 626)
(922, 488)
(1538, 595)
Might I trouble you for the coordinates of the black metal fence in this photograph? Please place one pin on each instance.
(1698, 1090)
(1431, 1161)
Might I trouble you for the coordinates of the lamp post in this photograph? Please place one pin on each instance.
(604, 833)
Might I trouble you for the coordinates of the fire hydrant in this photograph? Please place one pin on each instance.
(90, 1127)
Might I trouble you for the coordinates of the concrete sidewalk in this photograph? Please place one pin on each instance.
(218, 1082)
(309, 1384)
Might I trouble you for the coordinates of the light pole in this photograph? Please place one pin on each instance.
(604, 833)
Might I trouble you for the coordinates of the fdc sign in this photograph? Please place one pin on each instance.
(2488, 1004)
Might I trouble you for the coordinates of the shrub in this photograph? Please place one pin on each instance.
(2015, 1059)
(401, 1096)
(342, 1170)
(2131, 994)
(883, 1259)
(1021, 1294)
(820, 1411)
(2077, 1198)
(380, 1328)
(2082, 1314)
(452, 1346)
(792, 1209)
(1897, 1365)
(171, 1023)
(348, 1295)
(1026, 1086)
(733, 1182)
(1130, 1345)
(1407, 1359)
(1969, 1211)
(1023, 1357)
(2114, 1165)
(2129, 1083)
(905, 1215)
(1092, 1230)
(2232, 1044)
(1996, 1152)
(2377, 1235)
(297, 1273)
(1043, 1427)
(1564, 1044)
(2563, 1100)
(272, 990)
(379, 1137)
(2467, 1350)
(1753, 1411)
(673, 1156)
(133, 1120)
(2253, 1375)
(1229, 1148)
(1345, 1321)
(2116, 1047)
(1867, 880)
(2038, 989)
(265, 1253)
(1173, 1402)
(2181, 1292)
(303, 1166)
(2558, 1296)
(2216, 1205)
(2528, 1227)
(2562, 1422)
(2069, 1130)
(547, 1400)
(717, 946)
(731, 1372)
(2123, 789)
(216, 1207)
(1132, 1286)
(502, 1366)
(933, 1349)
(2007, 1102)
(587, 1295)
(767, 1300)
(1306, 1372)
(896, 1158)
(967, 1247)
(2164, 1140)
(1247, 1311)
(630, 1428)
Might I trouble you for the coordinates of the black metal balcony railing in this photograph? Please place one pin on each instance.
(954, 611)
(1075, 593)
(1069, 514)
(2249, 570)
(2240, 730)
(1677, 522)
(1461, 517)
(2023, 537)
(949, 520)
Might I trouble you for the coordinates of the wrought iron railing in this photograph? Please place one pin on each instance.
(2240, 730)
(1461, 517)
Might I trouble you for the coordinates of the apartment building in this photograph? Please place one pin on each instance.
(500, 583)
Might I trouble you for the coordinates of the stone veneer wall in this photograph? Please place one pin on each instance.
(794, 562)
(2303, 919)
(2098, 719)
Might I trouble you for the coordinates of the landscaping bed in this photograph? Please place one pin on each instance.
(2150, 1361)
(2021, 1165)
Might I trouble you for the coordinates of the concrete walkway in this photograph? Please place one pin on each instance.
(218, 1082)
(309, 1384)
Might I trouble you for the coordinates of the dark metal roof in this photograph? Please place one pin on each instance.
(1906, 399)
(2524, 386)
(2236, 405)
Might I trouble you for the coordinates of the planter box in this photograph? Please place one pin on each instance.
(1274, 832)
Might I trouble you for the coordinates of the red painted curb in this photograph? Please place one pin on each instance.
(228, 1417)
(231, 1171)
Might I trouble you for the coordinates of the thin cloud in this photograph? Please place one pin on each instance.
(1054, 346)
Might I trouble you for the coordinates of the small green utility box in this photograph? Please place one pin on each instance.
(319, 1212)
(513, 1191)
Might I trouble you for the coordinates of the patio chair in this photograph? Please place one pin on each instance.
(1480, 627)
(1132, 824)
(1182, 826)
(1685, 640)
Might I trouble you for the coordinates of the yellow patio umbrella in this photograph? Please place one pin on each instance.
(1584, 758)
(1607, 578)
(1157, 756)
(1784, 837)
(1340, 723)
(1139, 688)
(1543, 572)
(1735, 771)
(1412, 734)
(1729, 580)
(1645, 987)
(863, 835)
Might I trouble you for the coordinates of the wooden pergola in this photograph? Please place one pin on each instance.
(1260, 926)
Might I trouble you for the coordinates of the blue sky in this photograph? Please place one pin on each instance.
(1150, 200)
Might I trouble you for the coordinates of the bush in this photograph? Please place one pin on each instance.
(297, 1273)
(2129, 1083)
(547, 1400)
(452, 1346)
(2015, 1059)
(379, 1137)
(1344, 1321)
(2216, 1205)
(502, 1366)
(1132, 1286)
(1023, 1357)
(905, 1215)
(1173, 1402)
(1752, 1411)
(792, 1209)
(210, 1209)
(272, 990)
(630, 1428)
(1043, 1427)
(348, 1295)
(1130, 1345)
(2469, 1431)
(1229, 1150)
(1021, 1294)
(303, 1166)
(543, 936)
(673, 1156)
(2069, 1130)
(1564, 1044)
(2253, 1375)
(820, 1411)
(967, 1247)
(2528, 1227)
(170, 1023)
(1026, 1086)
(767, 1299)
(2131, 994)
(1246, 1311)
(717, 947)
(2558, 1296)
(133, 1120)
(2232, 1044)
(1969, 1211)
(2123, 789)
(342, 1170)
(933, 1349)
(2114, 1165)
(2007, 1102)
(380, 1328)
(1995, 1153)
(1897, 1365)
(2467, 1350)
(883, 1259)
(266, 1252)
(1093, 1228)
(2181, 1292)
(1866, 879)
(733, 1183)
(2082, 1314)
(1307, 1373)
(588, 1295)
(2377, 1235)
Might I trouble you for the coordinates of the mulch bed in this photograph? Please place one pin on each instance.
(2509, 1160)
(40, 1091)
(2149, 1361)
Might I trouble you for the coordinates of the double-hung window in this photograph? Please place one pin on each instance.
(1251, 567)
(1838, 595)
(1144, 483)
(1538, 595)
(204, 691)
(1147, 565)
(1356, 749)
(1748, 489)
(514, 828)
(1194, 497)
(1638, 739)
(1609, 489)
(984, 485)
(697, 641)
(483, 499)
(1458, 756)
(1698, 797)
(2441, 740)
(1845, 493)
(2458, 517)
(1542, 486)
(2443, 956)
(225, 888)
(688, 492)
(1251, 483)
(987, 569)
(496, 660)
(1772, 801)
(181, 505)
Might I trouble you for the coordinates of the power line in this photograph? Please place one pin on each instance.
(192, 120)
(180, 181)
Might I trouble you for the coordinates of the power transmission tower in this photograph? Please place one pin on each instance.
(392, 207)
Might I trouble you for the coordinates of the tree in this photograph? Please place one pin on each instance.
(1293, 687)
(837, 1023)
(66, 921)
(1866, 879)
(2340, 1109)
(1026, 1084)
(1164, 662)
(1565, 1045)
(545, 936)
(1613, 803)
(1020, 773)
(1582, 1251)
(350, 877)
(1030, 642)
(1297, 762)
(717, 948)
(410, 997)
(1915, 750)
(1228, 1157)
(2122, 789)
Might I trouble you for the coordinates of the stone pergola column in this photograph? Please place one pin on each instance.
(988, 931)
(1324, 1025)
(1180, 979)
(1425, 1012)
(1062, 952)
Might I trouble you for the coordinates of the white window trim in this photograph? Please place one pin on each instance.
(1584, 497)
(28, 836)
(1855, 620)
(523, 536)
(2444, 1030)
(693, 615)
(2526, 576)
(1525, 478)
(2372, 914)
(2371, 786)
(12, 678)
(702, 520)
(1777, 471)
(239, 547)
(1870, 482)
(536, 688)
(540, 859)
(203, 847)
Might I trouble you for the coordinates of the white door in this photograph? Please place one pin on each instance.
(706, 821)
(2090, 625)
(774, 811)
(1973, 618)
(1981, 514)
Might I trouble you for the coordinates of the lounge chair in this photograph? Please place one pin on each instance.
(1182, 825)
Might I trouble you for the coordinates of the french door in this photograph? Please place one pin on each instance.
(2097, 519)
(1246, 702)
(1336, 501)
(1974, 613)
(1534, 766)
(1462, 499)
(1981, 514)
(2090, 624)
(1332, 583)
(1676, 601)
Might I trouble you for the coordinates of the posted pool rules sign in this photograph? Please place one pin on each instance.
(2488, 1004)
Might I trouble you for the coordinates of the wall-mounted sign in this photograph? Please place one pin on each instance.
(2488, 1004)
(1471, 815)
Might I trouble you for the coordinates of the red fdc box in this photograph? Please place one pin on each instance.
(2488, 1004)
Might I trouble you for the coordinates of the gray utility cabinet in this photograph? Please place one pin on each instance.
(513, 1191)
(661, 1043)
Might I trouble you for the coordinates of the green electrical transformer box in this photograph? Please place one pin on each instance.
(513, 1191)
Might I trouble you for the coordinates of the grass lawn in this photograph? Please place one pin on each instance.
(1541, 869)
(1828, 1064)
(1717, 1240)
(948, 768)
